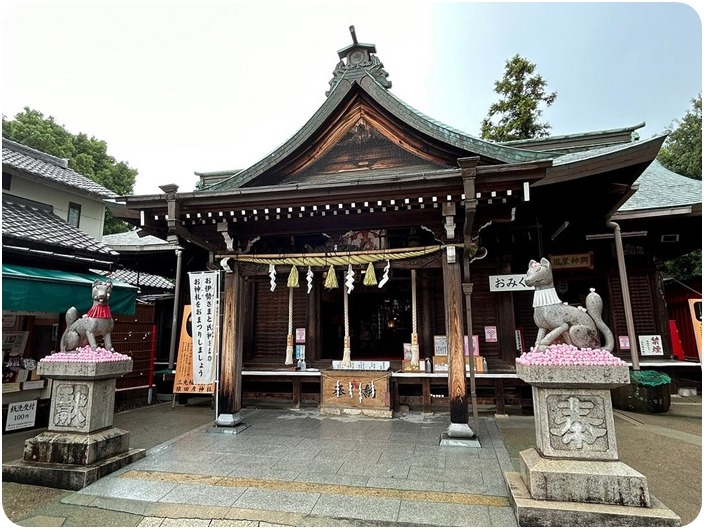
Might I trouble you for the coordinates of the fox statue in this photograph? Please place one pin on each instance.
(577, 326)
(97, 322)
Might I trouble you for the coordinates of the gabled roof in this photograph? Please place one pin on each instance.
(660, 188)
(31, 229)
(38, 164)
(359, 95)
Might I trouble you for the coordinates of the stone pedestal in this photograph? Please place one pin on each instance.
(573, 476)
(81, 445)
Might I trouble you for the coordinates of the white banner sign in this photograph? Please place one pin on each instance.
(508, 283)
(205, 300)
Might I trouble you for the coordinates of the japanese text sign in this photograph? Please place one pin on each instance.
(508, 283)
(205, 298)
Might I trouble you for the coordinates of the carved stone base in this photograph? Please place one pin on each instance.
(608, 482)
(542, 513)
(573, 477)
(76, 448)
(69, 477)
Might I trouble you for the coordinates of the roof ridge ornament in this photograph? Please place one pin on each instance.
(356, 61)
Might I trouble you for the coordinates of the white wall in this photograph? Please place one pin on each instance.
(92, 210)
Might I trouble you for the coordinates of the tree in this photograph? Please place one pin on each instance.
(86, 155)
(682, 154)
(682, 150)
(516, 115)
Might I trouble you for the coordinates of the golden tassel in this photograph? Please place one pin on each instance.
(293, 278)
(370, 276)
(331, 280)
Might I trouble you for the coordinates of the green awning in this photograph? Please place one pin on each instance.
(41, 290)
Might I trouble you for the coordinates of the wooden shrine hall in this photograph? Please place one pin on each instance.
(375, 232)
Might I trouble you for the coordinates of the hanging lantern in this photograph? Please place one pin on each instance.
(293, 278)
(370, 276)
(331, 280)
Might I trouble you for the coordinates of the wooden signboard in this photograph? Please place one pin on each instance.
(183, 379)
(365, 390)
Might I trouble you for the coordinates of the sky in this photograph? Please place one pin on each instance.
(176, 88)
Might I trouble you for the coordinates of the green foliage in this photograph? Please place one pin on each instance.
(682, 150)
(685, 267)
(682, 154)
(516, 115)
(86, 155)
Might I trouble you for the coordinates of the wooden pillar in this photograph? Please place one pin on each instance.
(247, 297)
(454, 328)
(230, 380)
(427, 399)
(313, 330)
(427, 343)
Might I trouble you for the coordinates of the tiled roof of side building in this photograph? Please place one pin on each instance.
(658, 187)
(140, 279)
(23, 158)
(132, 238)
(37, 225)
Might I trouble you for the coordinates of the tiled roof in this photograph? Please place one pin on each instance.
(132, 238)
(410, 117)
(36, 226)
(140, 279)
(22, 158)
(661, 188)
(592, 153)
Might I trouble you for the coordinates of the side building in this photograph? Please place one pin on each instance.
(52, 223)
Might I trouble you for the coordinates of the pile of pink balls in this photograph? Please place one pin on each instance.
(86, 355)
(569, 355)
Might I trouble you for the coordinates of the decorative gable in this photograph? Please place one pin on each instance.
(363, 152)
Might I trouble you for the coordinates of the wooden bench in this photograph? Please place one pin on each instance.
(295, 378)
(496, 380)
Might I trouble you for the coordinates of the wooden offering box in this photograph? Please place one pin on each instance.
(348, 392)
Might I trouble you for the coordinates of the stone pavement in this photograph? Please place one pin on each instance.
(298, 468)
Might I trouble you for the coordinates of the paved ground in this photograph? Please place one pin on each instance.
(296, 468)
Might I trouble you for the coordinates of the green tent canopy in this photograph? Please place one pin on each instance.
(42, 290)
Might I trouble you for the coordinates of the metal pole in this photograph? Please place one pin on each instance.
(218, 341)
(174, 321)
(620, 257)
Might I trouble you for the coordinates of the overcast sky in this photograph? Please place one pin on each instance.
(177, 88)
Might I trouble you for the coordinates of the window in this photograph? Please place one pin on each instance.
(74, 214)
(6, 181)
